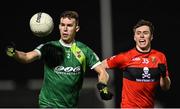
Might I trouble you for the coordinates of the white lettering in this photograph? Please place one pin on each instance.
(145, 80)
(67, 70)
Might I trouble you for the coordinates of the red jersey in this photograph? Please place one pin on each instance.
(140, 76)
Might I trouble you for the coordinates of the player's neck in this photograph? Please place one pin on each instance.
(66, 44)
(143, 50)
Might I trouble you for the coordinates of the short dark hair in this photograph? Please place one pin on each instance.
(143, 22)
(70, 14)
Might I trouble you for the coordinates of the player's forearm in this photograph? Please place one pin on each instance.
(24, 57)
(165, 83)
(103, 76)
(104, 64)
(20, 56)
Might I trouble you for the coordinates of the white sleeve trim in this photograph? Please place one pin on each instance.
(39, 53)
(98, 63)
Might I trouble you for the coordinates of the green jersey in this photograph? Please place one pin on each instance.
(62, 84)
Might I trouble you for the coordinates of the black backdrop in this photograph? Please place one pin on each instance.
(15, 17)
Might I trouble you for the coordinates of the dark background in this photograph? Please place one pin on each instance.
(15, 16)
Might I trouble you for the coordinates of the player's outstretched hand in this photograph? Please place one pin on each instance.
(104, 92)
(10, 49)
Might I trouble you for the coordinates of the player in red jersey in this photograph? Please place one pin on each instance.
(144, 69)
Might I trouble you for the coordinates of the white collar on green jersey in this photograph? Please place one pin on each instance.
(66, 45)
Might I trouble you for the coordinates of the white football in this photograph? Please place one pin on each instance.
(41, 24)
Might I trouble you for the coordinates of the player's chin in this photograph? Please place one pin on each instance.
(142, 46)
(66, 39)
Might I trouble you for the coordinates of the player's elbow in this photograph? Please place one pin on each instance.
(165, 83)
(104, 64)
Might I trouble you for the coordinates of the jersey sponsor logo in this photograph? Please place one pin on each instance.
(68, 70)
(146, 73)
(136, 59)
(146, 76)
(145, 80)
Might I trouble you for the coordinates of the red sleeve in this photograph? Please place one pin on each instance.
(119, 60)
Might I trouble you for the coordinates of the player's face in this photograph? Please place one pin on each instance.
(68, 29)
(143, 37)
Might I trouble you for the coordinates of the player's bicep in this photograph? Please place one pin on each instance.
(116, 61)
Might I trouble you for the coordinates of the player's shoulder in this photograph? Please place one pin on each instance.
(125, 53)
(157, 52)
(81, 44)
(130, 51)
(54, 42)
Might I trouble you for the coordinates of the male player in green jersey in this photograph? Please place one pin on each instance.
(66, 61)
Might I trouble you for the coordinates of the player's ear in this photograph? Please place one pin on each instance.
(77, 28)
(59, 26)
(134, 38)
(151, 37)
